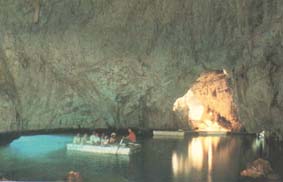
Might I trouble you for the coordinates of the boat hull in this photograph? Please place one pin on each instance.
(107, 149)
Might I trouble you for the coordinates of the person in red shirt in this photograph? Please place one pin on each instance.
(132, 136)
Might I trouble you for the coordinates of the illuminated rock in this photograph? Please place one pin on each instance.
(209, 104)
(73, 176)
(257, 168)
(260, 168)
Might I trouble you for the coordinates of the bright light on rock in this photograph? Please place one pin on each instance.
(208, 104)
(196, 109)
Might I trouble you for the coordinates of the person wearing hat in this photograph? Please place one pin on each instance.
(113, 138)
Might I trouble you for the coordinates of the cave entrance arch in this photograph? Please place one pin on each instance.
(208, 105)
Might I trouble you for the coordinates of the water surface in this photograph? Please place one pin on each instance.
(195, 158)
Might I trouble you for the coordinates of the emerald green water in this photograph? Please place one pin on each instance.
(202, 159)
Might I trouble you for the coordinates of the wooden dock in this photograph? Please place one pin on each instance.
(168, 134)
(212, 132)
(159, 134)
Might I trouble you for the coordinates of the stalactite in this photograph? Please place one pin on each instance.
(36, 5)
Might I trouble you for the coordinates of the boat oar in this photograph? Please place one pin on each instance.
(118, 147)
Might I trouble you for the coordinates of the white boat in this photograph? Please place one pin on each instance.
(105, 149)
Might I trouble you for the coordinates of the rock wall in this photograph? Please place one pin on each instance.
(93, 63)
(213, 89)
(209, 104)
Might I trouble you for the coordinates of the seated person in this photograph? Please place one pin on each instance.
(113, 138)
(94, 138)
(84, 139)
(105, 140)
(77, 139)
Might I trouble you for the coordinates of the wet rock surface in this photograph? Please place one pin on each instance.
(87, 64)
(260, 170)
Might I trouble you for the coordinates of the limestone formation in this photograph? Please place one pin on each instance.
(260, 169)
(209, 104)
(120, 63)
(257, 168)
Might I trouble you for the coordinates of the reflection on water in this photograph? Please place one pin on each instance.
(210, 158)
(44, 158)
(200, 153)
(203, 159)
(30, 146)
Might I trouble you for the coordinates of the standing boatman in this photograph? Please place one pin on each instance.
(132, 136)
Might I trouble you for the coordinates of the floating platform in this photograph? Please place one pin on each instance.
(168, 134)
(105, 149)
(182, 133)
(212, 132)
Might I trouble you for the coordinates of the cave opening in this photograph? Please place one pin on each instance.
(208, 105)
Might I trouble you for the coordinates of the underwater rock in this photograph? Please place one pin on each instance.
(261, 170)
(73, 176)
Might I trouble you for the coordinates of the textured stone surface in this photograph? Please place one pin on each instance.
(93, 63)
(209, 104)
(261, 170)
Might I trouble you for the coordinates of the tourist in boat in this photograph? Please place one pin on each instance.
(113, 138)
(105, 140)
(132, 136)
(77, 139)
(102, 136)
(94, 138)
(84, 139)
